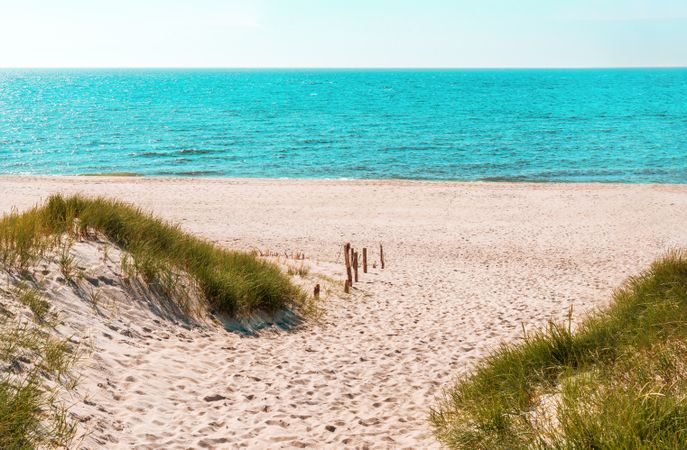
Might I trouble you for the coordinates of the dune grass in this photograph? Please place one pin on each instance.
(302, 270)
(24, 420)
(34, 365)
(30, 414)
(32, 298)
(232, 282)
(619, 380)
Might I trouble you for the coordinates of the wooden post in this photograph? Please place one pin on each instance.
(347, 258)
(364, 260)
(381, 255)
(355, 265)
(347, 286)
(316, 291)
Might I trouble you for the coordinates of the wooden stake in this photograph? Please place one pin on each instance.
(381, 255)
(364, 260)
(347, 287)
(347, 258)
(316, 292)
(355, 265)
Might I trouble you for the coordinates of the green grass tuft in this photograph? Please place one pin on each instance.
(618, 381)
(30, 414)
(20, 422)
(233, 282)
(32, 298)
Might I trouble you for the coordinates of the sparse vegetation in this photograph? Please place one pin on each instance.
(94, 297)
(30, 414)
(232, 282)
(32, 298)
(23, 421)
(57, 357)
(67, 262)
(301, 270)
(618, 381)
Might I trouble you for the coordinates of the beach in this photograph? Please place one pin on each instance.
(468, 265)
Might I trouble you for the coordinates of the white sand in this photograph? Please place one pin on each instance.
(467, 264)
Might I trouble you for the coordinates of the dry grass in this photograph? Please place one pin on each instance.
(301, 270)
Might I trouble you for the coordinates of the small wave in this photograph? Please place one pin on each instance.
(318, 141)
(196, 151)
(511, 179)
(403, 148)
(153, 154)
(111, 174)
(170, 154)
(190, 173)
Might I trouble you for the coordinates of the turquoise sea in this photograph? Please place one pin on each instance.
(626, 125)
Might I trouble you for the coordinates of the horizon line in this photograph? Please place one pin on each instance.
(343, 67)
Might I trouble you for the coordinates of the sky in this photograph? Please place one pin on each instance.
(343, 33)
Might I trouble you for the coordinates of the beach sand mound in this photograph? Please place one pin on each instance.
(115, 321)
(156, 368)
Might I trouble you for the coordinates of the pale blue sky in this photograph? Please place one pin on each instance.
(343, 33)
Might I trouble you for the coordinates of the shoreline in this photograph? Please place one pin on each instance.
(468, 264)
(97, 178)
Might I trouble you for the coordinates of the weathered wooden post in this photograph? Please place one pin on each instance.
(381, 255)
(364, 260)
(355, 265)
(316, 292)
(347, 258)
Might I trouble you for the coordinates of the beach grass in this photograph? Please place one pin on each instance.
(31, 297)
(302, 270)
(31, 416)
(35, 365)
(232, 282)
(618, 380)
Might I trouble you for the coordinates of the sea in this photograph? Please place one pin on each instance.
(563, 125)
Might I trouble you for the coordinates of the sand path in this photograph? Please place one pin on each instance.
(467, 264)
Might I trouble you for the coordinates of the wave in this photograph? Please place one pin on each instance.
(171, 154)
(190, 173)
(153, 154)
(512, 179)
(197, 151)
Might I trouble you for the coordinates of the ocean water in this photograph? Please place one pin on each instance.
(627, 125)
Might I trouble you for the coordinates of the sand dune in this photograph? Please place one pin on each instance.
(468, 263)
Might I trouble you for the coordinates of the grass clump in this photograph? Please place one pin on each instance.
(232, 282)
(618, 381)
(32, 298)
(22, 418)
(30, 414)
(302, 270)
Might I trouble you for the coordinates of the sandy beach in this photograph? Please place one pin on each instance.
(467, 265)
